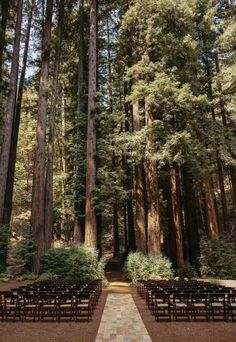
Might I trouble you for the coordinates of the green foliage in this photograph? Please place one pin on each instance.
(188, 271)
(218, 259)
(74, 262)
(5, 277)
(27, 276)
(25, 248)
(140, 266)
(4, 240)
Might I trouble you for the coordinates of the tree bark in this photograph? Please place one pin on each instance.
(38, 194)
(4, 13)
(153, 206)
(177, 214)
(212, 223)
(8, 118)
(51, 138)
(16, 125)
(90, 214)
(170, 238)
(140, 193)
(192, 216)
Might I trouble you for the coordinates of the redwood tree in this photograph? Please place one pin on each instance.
(90, 214)
(38, 195)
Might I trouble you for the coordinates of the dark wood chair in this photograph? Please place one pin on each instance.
(65, 306)
(181, 306)
(162, 306)
(199, 306)
(217, 306)
(83, 306)
(1, 307)
(48, 306)
(12, 307)
(231, 306)
(30, 307)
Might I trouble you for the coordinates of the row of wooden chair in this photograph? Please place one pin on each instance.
(189, 300)
(33, 302)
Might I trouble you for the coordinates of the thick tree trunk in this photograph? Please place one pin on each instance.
(8, 118)
(140, 196)
(51, 138)
(90, 215)
(15, 129)
(177, 214)
(225, 220)
(81, 110)
(170, 236)
(38, 195)
(212, 223)
(4, 15)
(153, 206)
(192, 215)
(116, 237)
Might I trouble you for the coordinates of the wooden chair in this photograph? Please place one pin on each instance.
(65, 306)
(162, 306)
(1, 307)
(30, 307)
(11, 307)
(181, 306)
(231, 306)
(83, 306)
(217, 306)
(48, 306)
(199, 306)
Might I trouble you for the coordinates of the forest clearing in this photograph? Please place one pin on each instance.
(118, 169)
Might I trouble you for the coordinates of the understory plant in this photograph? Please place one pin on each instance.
(74, 262)
(141, 266)
(218, 259)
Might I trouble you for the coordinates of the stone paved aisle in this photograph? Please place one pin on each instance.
(121, 321)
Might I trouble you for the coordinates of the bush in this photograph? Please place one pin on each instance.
(4, 240)
(140, 266)
(25, 249)
(188, 271)
(74, 262)
(218, 259)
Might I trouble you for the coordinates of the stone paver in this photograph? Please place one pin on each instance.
(121, 321)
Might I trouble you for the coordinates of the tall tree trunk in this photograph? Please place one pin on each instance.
(140, 192)
(192, 215)
(177, 214)
(81, 109)
(212, 223)
(116, 237)
(90, 215)
(4, 14)
(49, 169)
(38, 194)
(16, 125)
(225, 220)
(170, 237)
(153, 205)
(8, 118)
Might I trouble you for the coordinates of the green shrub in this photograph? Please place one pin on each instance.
(25, 249)
(6, 276)
(218, 259)
(140, 266)
(74, 262)
(27, 276)
(4, 240)
(188, 271)
(55, 261)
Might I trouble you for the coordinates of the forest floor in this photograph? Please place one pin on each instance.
(86, 332)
